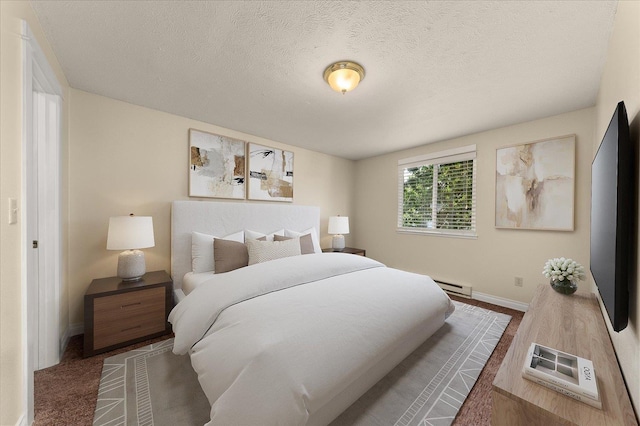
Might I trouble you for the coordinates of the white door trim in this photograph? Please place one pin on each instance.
(43, 298)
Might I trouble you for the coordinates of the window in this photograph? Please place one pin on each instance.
(437, 193)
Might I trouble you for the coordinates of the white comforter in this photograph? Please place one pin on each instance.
(273, 343)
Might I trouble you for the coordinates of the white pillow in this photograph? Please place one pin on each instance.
(253, 235)
(202, 250)
(314, 237)
(263, 251)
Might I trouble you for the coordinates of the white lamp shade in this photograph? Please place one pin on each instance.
(338, 225)
(130, 232)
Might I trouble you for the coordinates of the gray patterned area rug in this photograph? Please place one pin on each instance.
(152, 386)
(430, 385)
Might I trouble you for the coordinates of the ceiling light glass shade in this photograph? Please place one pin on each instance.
(344, 76)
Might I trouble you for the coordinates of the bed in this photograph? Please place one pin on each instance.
(294, 340)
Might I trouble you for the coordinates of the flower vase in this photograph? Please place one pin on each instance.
(564, 286)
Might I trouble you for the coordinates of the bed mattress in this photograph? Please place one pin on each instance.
(192, 280)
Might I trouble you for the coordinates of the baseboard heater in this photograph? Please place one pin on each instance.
(456, 289)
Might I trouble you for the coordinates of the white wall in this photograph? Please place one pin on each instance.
(621, 81)
(129, 159)
(492, 261)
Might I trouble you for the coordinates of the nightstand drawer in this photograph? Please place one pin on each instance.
(119, 313)
(128, 316)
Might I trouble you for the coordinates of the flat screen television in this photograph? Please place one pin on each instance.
(613, 217)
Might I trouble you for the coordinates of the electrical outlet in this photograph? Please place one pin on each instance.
(518, 281)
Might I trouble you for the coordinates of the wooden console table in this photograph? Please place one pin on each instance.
(572, 324)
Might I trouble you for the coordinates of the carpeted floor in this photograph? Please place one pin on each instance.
(476, 409)
(66, 393)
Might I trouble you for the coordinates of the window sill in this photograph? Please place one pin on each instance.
(466, 235)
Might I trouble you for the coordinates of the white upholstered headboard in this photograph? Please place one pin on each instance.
(221, 218)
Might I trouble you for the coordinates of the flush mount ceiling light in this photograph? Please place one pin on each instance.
(344, 76)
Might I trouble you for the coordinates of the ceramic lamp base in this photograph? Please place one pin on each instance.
(131, 265)
(338, 242)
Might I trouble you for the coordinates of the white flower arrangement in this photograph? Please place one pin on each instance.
(560, 269)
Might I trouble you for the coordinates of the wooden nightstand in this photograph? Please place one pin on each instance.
(119, 313)
(350, 250)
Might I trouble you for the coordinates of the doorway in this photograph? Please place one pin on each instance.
(40, 215)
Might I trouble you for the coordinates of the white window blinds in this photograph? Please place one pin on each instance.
(437, 193)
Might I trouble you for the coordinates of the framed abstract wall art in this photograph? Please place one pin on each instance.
(217, 166)
(270, 173)
(535, 185)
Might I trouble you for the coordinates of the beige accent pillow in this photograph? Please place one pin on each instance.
(314, 237)
(264, 251)
(306, 243)
(229, 255)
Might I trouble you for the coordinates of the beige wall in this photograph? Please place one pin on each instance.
(11, 238)
(123, 158)
(492, 261)
(129, 159)
(621, 81)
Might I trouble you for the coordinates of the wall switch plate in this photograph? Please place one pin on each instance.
(13, 211)
(518, 281)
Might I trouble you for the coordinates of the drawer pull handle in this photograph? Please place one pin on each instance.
(130, 304)
(130, 328)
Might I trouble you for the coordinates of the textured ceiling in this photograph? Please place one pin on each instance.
(434, 70)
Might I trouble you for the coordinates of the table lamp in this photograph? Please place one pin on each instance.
(338, 225)
(130, 233)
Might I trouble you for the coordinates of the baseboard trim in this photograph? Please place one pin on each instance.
(501, 301)
(76, 329)
(64, 341)
(72, 330)
(22, 421)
